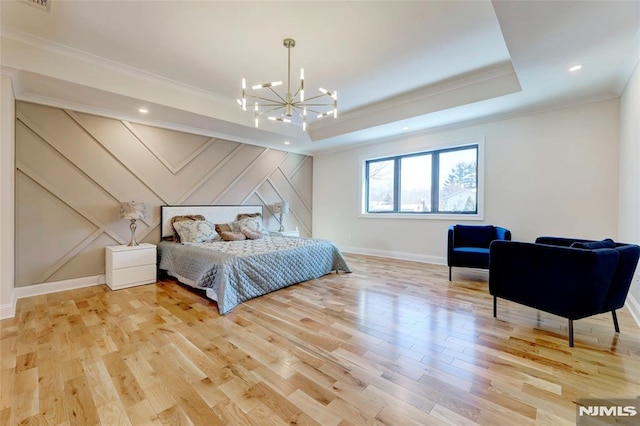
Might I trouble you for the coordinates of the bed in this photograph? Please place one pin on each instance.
(231, 272)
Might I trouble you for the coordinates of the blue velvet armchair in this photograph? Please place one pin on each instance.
(570, 278)
(468, 245)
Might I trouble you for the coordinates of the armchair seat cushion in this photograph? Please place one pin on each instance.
(471, 257)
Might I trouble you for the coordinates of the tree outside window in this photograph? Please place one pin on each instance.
(438, 181)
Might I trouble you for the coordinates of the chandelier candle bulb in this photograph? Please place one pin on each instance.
(256, 114)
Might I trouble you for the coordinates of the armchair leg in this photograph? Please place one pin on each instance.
(615, 321)
(571, 333)
(495, 305)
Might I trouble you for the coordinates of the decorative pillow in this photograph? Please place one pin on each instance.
(606, 243)
(232, 236)
(224, 227)
(244, 215)
(252, 235)
(195, 231)
(251, 223)
(474, 236)
(175, 219)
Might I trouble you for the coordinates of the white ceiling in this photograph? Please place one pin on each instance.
(416, 65)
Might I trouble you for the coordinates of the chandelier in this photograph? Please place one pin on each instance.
(268, 102)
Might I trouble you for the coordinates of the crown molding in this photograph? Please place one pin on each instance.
(89, 58)
(485, 83)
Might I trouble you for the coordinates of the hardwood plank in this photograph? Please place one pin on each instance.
(393, 343)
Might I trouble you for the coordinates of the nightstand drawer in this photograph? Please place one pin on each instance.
(131, 258)
(133, 276)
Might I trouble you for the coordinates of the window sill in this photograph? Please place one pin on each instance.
(448, 217)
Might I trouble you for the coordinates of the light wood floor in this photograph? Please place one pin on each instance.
(393, 343)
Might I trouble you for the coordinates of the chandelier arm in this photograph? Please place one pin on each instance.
(280, 100)
(278, 95)
(317, 96)
(312, 110)
(276, 101)
(308, 105)
(270, 110)
(296, 110)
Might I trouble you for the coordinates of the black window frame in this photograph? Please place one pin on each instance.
(435, 182)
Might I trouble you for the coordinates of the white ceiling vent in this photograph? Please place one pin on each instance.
(44, 5)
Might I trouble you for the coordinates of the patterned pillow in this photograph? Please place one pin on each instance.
(195, 231)
(223, 227)
(251, 223)
(606, 243)
(252, 235)
(244, 215)
(232, 236)
(175, 219)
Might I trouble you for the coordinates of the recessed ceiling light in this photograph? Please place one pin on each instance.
(286, 142)
(405, 128)
(143, 110)
(575, 68)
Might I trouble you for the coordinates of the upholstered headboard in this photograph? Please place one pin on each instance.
(214, 214)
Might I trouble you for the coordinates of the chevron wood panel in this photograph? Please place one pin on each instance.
(74, 170)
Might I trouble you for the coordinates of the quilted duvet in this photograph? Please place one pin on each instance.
(241, 270)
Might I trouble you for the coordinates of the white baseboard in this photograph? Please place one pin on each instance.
(56, 286)
(396, 255)
(8, 310)
(634, 308)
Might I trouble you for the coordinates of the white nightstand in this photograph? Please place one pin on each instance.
(294, 233)
(128, 266)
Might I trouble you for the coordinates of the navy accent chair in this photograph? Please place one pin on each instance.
(468, 245)
(567, 277)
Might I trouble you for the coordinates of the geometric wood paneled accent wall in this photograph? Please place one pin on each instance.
(74, 169)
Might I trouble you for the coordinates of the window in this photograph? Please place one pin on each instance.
(443, 181)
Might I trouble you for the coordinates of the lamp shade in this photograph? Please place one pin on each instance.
(284, 207)
(133, 210)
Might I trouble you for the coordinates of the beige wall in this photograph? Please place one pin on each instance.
(629, 207)
(7, 180)
(74, 170)
(551, 173)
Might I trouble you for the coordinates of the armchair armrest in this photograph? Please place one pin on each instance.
(569, 282)
(502, 233)
(450, 245)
